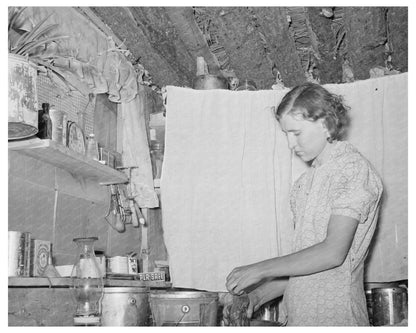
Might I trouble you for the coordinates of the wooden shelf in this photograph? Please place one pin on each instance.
(66, 282)
(62, 157)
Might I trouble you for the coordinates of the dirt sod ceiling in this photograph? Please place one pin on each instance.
(325, 44)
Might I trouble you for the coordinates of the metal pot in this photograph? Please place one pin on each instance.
(207, 81)
(389, 305)
(125, 306)
(268, 311)
(369, 286)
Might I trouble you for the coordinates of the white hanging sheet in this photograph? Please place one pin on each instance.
(227, 174)
(225, 178)
(379, 130)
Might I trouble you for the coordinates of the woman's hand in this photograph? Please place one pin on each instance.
(256, 301)
(243, 277)
(263, 293)
(238, 310)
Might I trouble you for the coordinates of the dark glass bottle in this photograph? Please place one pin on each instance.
(45, 123)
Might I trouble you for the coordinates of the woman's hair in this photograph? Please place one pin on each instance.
(314, 102)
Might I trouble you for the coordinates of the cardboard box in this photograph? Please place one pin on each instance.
(41, 252)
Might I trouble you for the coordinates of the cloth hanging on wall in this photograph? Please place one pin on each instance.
(135, 150)
(379, 131)
(225, 176)
(227, 173)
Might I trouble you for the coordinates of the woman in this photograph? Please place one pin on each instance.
(335, 208)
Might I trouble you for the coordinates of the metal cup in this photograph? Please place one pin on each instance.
(389, 305)
(117, 265)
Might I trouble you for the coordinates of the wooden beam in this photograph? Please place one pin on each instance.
(189, 32)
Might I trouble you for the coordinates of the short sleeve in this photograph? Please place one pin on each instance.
(355, 191)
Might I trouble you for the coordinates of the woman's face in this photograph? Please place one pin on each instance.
(306, 138)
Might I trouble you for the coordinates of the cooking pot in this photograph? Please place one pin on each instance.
(125, 306)
(389, 305)
(208, 81)
(268, 311)
(267, 314)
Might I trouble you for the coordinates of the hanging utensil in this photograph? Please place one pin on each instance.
(137, 217)
(113, 216)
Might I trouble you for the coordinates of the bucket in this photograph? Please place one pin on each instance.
(23, 98)
(184, 308)
(125, 306)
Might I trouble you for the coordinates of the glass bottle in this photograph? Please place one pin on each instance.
(156, 155)
(44, 123)
(57, 119)
(87, 284)
(92, 147)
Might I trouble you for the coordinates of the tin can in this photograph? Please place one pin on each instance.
(117, 265)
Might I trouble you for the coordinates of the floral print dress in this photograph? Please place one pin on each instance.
(343, 183)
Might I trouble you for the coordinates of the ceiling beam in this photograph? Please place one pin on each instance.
(183, 20)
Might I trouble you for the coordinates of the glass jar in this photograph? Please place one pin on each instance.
(87, 284)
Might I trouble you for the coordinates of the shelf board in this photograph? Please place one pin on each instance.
(62, 157)
(66, 282)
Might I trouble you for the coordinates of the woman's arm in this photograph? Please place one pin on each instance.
(329, 253)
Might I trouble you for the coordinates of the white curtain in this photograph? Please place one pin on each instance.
(378, 129)
(225, 178)
(227, 173)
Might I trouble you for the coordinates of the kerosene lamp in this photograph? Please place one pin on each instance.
(87, 284)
